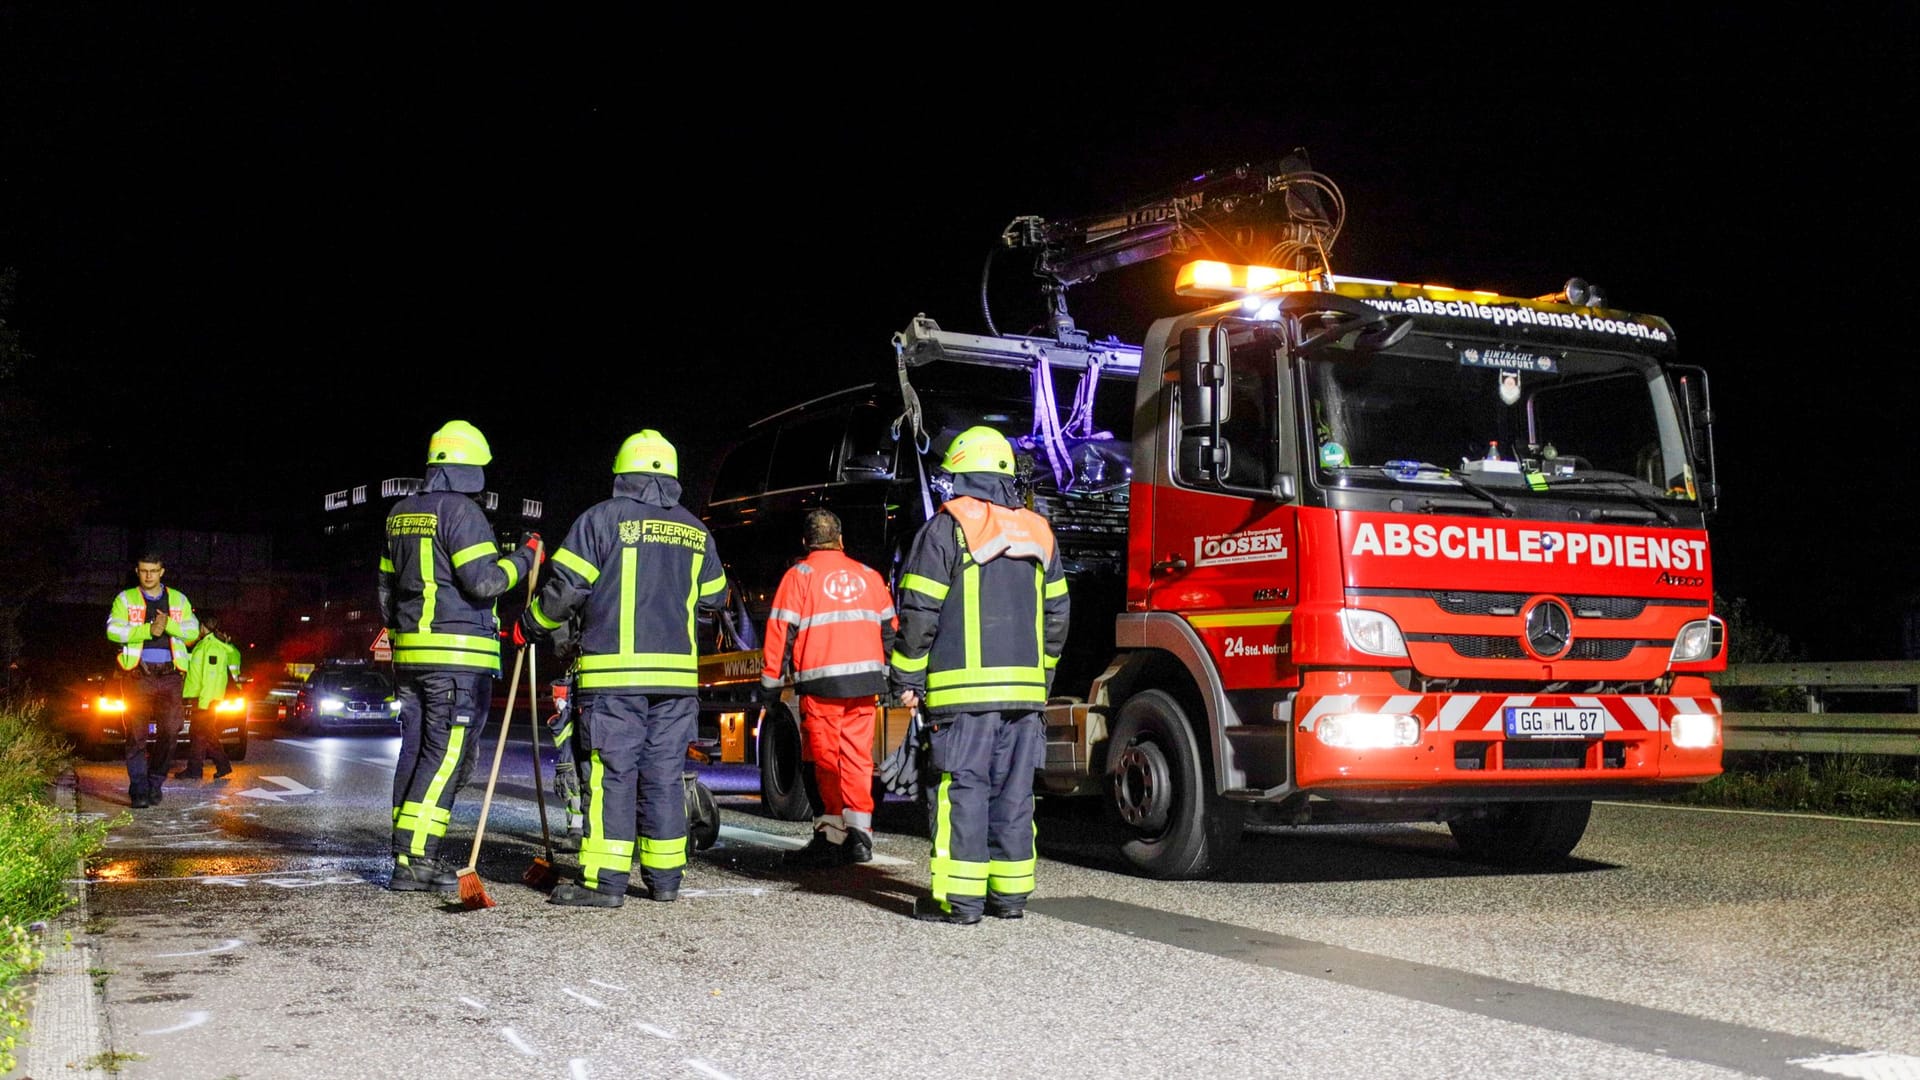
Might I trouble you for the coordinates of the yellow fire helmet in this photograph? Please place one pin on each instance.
(979, 449)
(458, 443)
(647, 451)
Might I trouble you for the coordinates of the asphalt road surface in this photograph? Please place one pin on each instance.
(241, 929)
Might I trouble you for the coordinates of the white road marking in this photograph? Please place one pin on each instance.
(658, 1033)
(514, 1040)
(707, 1070)
(577, 1068)
(1871, 1065)
(292, 786)
(472, 1004)
(774, 840)
(1750, 813)
(609, 986)
(194, 1019)
(571, 992)
(226, 946)
(753, 890)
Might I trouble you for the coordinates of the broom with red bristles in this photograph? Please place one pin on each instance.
(473, 893)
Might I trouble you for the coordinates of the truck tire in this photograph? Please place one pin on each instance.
(237, 749)
(1162, 788)
(1522, 833)
(787, 787)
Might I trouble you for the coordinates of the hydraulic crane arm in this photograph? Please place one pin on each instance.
(1280, 213)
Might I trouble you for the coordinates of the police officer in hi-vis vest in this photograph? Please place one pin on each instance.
(983, 618)
(438, 579)
(153, 625)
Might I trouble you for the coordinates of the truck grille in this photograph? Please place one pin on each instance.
(1488, 647)
(1493, 603)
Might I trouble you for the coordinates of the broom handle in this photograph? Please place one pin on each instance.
(500, 745)
(539, 785)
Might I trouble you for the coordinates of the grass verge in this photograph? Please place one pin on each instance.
(1850, 785)
(39, 846)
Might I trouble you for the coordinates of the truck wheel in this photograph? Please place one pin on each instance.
(1160, 786)
(1522, 833)
(787, 787)
(237, 749)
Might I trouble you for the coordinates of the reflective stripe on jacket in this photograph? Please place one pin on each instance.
(438, 580)
(981, 636)
(831, 628)
(127, 627)
(639, 574)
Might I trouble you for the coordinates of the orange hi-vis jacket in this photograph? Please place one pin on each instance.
(831, 628)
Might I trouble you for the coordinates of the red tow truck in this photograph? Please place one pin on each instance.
(1340, 549)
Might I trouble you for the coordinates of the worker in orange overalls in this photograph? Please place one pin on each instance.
(830, 631)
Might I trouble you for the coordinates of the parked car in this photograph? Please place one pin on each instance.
(92, 712)
(345, 695)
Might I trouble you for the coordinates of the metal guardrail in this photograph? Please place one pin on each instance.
(1817, 730)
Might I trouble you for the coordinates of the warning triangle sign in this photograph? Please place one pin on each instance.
(382, 649)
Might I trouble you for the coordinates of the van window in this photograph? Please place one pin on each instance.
(870, 445)
(803, 455)
(744, 472)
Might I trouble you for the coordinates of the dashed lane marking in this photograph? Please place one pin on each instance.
(577, 1068)
(705, 1069)
(514, 1040)
(577, 995)
(1872, 1065)
(472, 1004)
(609, 986)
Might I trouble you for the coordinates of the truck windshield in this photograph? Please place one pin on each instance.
(1514, 419)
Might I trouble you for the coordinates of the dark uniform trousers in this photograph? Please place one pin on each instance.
(442, 714)
(982, 767)
(156, 700)
(631, 750)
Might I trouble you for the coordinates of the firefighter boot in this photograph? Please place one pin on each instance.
(569, 894)
(819, 852)
(1001, 907)
(414, 874)
(857, 848)
(927, 909)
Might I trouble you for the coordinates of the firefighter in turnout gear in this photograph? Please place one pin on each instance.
(831, 629)
(983, 618)
(439, 577)
(641, 571)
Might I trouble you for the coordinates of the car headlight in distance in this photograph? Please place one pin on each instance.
(331, 705)
(1694, 731)
(1368, 731)
(1373, 633)
(1699, 640)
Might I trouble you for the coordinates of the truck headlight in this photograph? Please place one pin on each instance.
(1694, 731)
(1699, 640)
(1369, 731)
(1372, 632)
(331, 705)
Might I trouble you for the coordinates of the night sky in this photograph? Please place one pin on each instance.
(320, 231)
